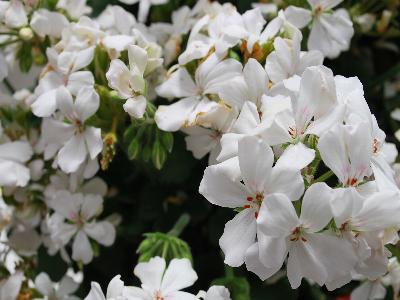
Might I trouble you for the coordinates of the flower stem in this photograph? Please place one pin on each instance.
(324, 176)
(8, 86)
(8, 43)
(180, 225)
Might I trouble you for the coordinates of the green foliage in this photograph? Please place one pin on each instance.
(25, 56)
(144, 140)
(163, 245)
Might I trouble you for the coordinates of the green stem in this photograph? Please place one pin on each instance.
(9, 43)
(9, 86)
(324, 176)
(180, 225)
(8, 33)
(229, 273)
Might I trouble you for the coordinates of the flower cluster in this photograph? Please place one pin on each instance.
(159, 282)
(293, 149)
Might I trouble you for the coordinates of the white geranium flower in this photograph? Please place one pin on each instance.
(130, 82)
(10, 287)
(347, 151)
(144, 7)
(225, 188)
(74, 141)
(15, 15)
(159, 282)
(56, 291)
(116, 20)
(360, 219)
(222, 31)
(288, 60)
(312, 110)
(215, 293)
(208, 78)
(251, 85)
(78, 211)
(64, 72)
(41, 19)
(75, 8)
(314, 254)
(116, 290)
(331, 31)
(13, 156)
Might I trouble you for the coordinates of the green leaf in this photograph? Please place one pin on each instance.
(159, 155)
(25, 57)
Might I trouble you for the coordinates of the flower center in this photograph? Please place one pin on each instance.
(158, 296)
(297, 235)
(255, 202)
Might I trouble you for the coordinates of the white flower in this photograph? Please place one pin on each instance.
(75, 8)
(78, 211)
(251, 85)
(362, 219)
(15, 15)
(287, 59)
(116, 20)
(314, 254)
(223, 186)
(222, 31)
(347, 151)
(144, 7)
(159, 282)
(116, 290)
(208, 77)
(56, 291)
(74, 141)
(13, 156)
(41, 19)
(10, 287)
(331, 32)
(64, 72)
(215, 293)
(130, 83)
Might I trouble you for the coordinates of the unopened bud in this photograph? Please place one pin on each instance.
(26, 34)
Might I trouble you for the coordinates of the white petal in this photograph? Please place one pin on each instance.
(103, 232)
(81, 248)
(87, 102)
(150, 273)
(298, 16)
(255, 160)
(136, 107)
(253, 263)
(178, 85)
(239, 234)
(286, 181)
(115, 288)
(179, 275)
(277, 217)
(315, 210)
(73, 154)
(95, 293)
(303, 262)
(137, 58)
(173, 117)
(219, 189)
(296, 156)
(93, 140)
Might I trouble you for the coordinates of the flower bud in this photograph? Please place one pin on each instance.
(26, 34)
